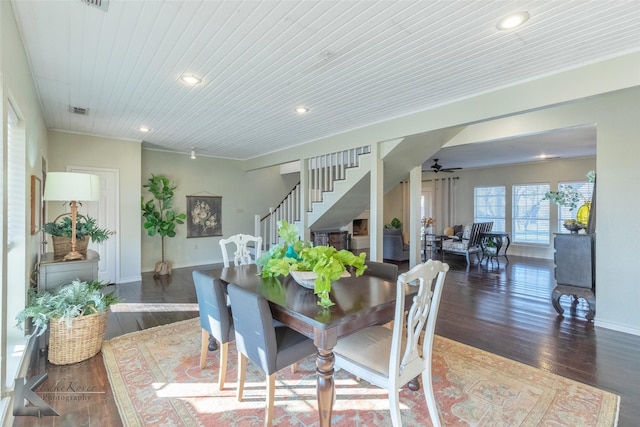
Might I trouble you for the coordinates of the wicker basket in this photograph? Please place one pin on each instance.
(62, 246)
(79, 342)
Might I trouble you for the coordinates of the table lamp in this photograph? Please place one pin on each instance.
(73, 188)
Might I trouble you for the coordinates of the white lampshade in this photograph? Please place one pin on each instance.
(69, 186)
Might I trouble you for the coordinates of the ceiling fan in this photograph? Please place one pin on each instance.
(436, 167)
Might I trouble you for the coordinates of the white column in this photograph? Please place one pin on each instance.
(376, 207)
(415, 191)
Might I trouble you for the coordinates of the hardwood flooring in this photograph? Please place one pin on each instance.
(505, 310)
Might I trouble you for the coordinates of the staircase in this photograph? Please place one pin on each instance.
(328, 179)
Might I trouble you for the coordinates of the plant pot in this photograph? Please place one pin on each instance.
(76, 343)
(62, 246)
(163, 268)
(307, 279)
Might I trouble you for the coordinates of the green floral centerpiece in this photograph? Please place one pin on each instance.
(328, 263)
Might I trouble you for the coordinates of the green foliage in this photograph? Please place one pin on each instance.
(159, 217)
(85, 226)
(566, 196)
(395, 223)
(287, 232)
(67, 302)
(327, 262)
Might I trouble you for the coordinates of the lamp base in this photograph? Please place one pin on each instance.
(72, 256)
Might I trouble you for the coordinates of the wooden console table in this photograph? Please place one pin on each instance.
(575, 270)
(55, 272)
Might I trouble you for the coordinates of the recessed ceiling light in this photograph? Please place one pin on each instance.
(144, 129)
(190, 79)
(302, 110)
(512, 21)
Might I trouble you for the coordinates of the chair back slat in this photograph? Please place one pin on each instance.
(420, 320)
(242, 255)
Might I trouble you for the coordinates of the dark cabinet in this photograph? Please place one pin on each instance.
(575, 270)
(575, 260)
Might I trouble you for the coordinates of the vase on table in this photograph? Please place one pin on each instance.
(583, 213)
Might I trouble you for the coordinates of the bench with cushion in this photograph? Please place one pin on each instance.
(470, 242)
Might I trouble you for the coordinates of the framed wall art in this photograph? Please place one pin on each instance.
(204, 216)
(36, 205)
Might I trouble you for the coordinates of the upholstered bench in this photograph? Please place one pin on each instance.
(470, 242)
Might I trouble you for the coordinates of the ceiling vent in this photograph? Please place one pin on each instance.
(103, 5)
(79, 110)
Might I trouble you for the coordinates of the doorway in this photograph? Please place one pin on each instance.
(105, 212)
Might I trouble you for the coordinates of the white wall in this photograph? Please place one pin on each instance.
(69, 149)
(16, 84)
(244, 194)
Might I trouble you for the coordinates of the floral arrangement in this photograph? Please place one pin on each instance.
(427, 222)
(567, 195)
(296, 255)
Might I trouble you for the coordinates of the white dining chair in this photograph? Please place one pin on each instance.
(242, 254)
(390, 358)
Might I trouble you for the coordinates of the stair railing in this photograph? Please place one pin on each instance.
(323, 172)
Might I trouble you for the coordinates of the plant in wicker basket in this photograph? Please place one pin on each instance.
(86, 229)
(76, 315)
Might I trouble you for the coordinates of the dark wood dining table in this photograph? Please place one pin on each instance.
(359, 302)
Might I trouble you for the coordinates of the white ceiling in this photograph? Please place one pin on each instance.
(353, 63)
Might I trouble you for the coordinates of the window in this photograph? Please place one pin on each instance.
(489, 205)
(15, 286)
(530, 214)
(564, 213)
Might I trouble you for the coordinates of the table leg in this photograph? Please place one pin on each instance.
(325, 385)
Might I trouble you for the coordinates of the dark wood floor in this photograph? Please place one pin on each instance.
(505, 310)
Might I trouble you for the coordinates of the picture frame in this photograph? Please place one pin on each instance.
(204, 216)
(36, 205)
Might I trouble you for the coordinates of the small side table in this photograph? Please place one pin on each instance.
(431, 243)
(55, 272)
(498, 237)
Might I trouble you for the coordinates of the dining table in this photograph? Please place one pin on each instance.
(359, 302)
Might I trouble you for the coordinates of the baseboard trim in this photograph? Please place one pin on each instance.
(130, 279)
(617, 327)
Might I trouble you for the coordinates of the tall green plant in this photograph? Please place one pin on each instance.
(158, 214)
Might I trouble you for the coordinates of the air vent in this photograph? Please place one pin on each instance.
(79, 110)
(100, 4)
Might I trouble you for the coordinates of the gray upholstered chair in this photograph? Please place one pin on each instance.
(215, 319)
(383, 270)
(393, 246)
(391, 358)
(271, 348)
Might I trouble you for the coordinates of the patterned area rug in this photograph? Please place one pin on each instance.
(157, 380)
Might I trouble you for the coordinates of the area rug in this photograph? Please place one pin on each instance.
(157, 381)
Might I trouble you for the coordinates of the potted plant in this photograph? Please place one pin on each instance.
(394, 224)
(76, 315)
(159, 217)
(86, 230)
(490, 247)
(325, 263)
